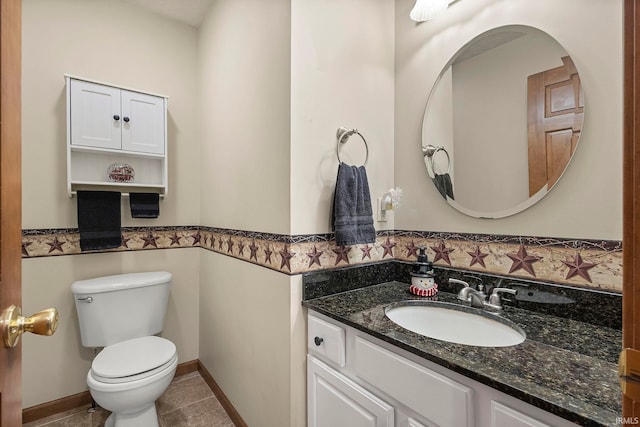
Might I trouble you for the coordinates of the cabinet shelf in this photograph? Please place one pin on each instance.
(124, 187)
(118, 184)
(83, 149)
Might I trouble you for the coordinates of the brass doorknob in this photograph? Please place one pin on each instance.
(13, 324)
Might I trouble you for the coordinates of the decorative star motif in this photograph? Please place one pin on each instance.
(412, 249)
(175, 239)
(55, 245)
(229, 245)
(196, 238)
(240, 247)
(220, 242)
(267, 254)
(442, 252)
(286, 257)
(25, 245)
(314, 257)
(149, 240)
(342, 253)
(578, 267)
(125, 241)
(522, 260)
(253, 251)
(366, 252)
(388, 248)
(477, 257)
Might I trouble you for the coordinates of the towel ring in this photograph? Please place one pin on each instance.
(430, 152)
(343, 135)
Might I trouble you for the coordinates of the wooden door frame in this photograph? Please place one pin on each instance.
(10, 202)
(631, 189)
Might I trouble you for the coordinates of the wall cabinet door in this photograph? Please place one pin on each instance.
(334, 400)
(95, 115)
(142, 123)
(108, 117)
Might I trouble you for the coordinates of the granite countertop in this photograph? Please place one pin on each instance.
(566, 367)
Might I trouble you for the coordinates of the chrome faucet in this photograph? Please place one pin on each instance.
(469, 294)
(478, 299)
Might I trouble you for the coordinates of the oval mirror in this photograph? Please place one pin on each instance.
(502, 122)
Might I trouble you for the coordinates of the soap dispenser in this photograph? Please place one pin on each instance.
(422, 281)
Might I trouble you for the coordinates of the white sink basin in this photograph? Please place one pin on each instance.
(455, 323)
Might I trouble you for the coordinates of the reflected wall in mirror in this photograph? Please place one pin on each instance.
(502, 121)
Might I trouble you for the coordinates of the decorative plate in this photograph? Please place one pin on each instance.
(120, 172)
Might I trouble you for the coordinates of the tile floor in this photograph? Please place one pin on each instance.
(188, 401)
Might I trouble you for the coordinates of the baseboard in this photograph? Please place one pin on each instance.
(74, 401)
(187, 367)
(222, 398)
(55, 406)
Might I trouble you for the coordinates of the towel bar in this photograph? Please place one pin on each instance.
(73, 193)
(343, 135)
(430, 151)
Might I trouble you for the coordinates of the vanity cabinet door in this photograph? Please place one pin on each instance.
(142, 123)
(95, 115)
(439, 399)
(334, 400)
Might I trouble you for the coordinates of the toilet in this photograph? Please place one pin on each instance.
(122, 313)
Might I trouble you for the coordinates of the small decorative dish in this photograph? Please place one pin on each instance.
(120, 172)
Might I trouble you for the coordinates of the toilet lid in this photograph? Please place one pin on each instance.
(132, 357)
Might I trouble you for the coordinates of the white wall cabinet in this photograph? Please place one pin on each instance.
(109, 125)
(380, 384)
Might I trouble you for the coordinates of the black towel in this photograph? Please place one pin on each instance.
(444, 186)
(99, 220)
(352, 213)
(144, 205)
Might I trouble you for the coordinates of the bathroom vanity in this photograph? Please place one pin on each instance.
(364, 370)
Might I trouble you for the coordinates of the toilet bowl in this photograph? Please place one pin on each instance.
(126, 378)
(123, 314)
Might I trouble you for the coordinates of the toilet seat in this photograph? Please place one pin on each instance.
(133, 360)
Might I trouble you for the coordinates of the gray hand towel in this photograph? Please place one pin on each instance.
(352, 213)
(444, 185)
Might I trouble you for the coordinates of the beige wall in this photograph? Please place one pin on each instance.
(114, 42)
(249, 337)
(342, 74)
(244, 81)
(587, 202)
(251, 330)
(120, 44)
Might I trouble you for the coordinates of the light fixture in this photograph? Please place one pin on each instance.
(425, 10)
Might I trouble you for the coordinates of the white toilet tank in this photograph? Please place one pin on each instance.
(116, 308)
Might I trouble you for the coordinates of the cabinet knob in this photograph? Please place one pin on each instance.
(116, 117)
(126, 119)
(318, 340)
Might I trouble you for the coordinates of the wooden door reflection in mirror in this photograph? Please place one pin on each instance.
(555, 113)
